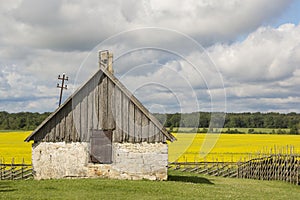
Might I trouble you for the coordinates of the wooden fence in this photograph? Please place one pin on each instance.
(272, 167)
(224, 169)
(13, 171)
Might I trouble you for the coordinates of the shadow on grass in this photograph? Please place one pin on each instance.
(189, 179)
(4, 187)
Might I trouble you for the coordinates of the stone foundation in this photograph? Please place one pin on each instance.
(130, 161)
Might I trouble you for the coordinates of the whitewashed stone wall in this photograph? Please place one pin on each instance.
(130, 161)
(60, 160)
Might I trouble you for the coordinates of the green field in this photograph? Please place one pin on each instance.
(180, 186)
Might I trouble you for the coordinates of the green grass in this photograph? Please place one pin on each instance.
(180, 186)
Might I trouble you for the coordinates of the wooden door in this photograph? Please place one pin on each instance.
(101, 146)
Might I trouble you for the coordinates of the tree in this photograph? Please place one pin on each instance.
(295, 129)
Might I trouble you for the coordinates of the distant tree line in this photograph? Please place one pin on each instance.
(29, 121)
(234, 120)
(21, 121)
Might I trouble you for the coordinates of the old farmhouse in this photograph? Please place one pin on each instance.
(101, 130)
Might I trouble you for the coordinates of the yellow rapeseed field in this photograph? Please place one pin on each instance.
(231, 147)
(228, 147)
(12, 145)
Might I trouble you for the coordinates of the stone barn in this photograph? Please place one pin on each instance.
(101, 130)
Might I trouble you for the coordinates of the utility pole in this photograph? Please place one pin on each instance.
(63, 78)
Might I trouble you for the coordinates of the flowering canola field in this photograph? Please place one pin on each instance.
(228, 147)
(12, 145)
(231, 147)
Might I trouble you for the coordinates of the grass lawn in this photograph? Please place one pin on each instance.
(180, 186)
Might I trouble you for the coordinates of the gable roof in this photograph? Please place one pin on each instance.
(123, 89)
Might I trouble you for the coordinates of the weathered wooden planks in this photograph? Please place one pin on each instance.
(69, 124)
(138, 125)
(151, 137)
(118, 134)
(138, 104)
(84, 116)
(96, 110)
(111, 125)
(52, 132)
(90, 111)
(62, 126)
(103, 103)
(125, 118)
(131, 131)
(77, 119)
(145, 128)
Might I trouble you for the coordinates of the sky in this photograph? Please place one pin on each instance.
(173, 55)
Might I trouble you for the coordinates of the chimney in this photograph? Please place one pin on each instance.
(106, 60)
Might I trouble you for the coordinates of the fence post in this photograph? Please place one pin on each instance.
(239, 170)
(11, 169)
(22, 169)
(297, 172)
(0, 169)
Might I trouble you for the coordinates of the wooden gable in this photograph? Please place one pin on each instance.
(103, 103)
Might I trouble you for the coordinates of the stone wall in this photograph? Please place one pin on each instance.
(130, 161)
(59, 160)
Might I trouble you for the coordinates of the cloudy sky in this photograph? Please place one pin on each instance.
(175, 56)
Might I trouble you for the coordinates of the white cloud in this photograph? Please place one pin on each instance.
(40, 40)
(27, 85)
(262, 72)
(266, 54)
(69, 25)
(213, 21)
(263, 66)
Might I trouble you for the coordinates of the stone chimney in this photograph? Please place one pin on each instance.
(106, 60)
